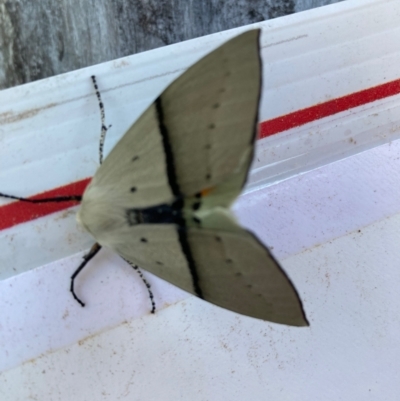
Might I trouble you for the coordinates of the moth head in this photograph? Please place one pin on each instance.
(80, 221)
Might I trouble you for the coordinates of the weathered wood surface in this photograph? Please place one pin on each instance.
(42, 38)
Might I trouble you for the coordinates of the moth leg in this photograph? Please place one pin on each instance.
(151, 296)
(86, 258)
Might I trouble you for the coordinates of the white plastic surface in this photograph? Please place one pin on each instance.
(335, 229)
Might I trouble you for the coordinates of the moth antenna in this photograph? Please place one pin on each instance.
(77, 198)
(104, 129)
(86, 258)
(146, 283)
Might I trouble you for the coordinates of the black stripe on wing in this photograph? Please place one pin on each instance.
(174, 185)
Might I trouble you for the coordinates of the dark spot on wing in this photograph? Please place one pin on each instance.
(238, 274)
(208, 176)
(196, 205)
(218, 239)
(228, 261)
(198, 195)
(135, 158)
(143, 239)
(159, 263)
(133, 189)
(215, 105)
(211, 126)
(196, 220)
(208, 146)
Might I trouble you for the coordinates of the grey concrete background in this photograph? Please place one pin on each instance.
(42, 38)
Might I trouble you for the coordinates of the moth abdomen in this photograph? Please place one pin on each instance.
(159, 214)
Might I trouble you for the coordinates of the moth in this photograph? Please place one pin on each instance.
(161, 197)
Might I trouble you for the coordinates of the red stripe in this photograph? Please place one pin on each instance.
(21, 212)
(329, 108)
